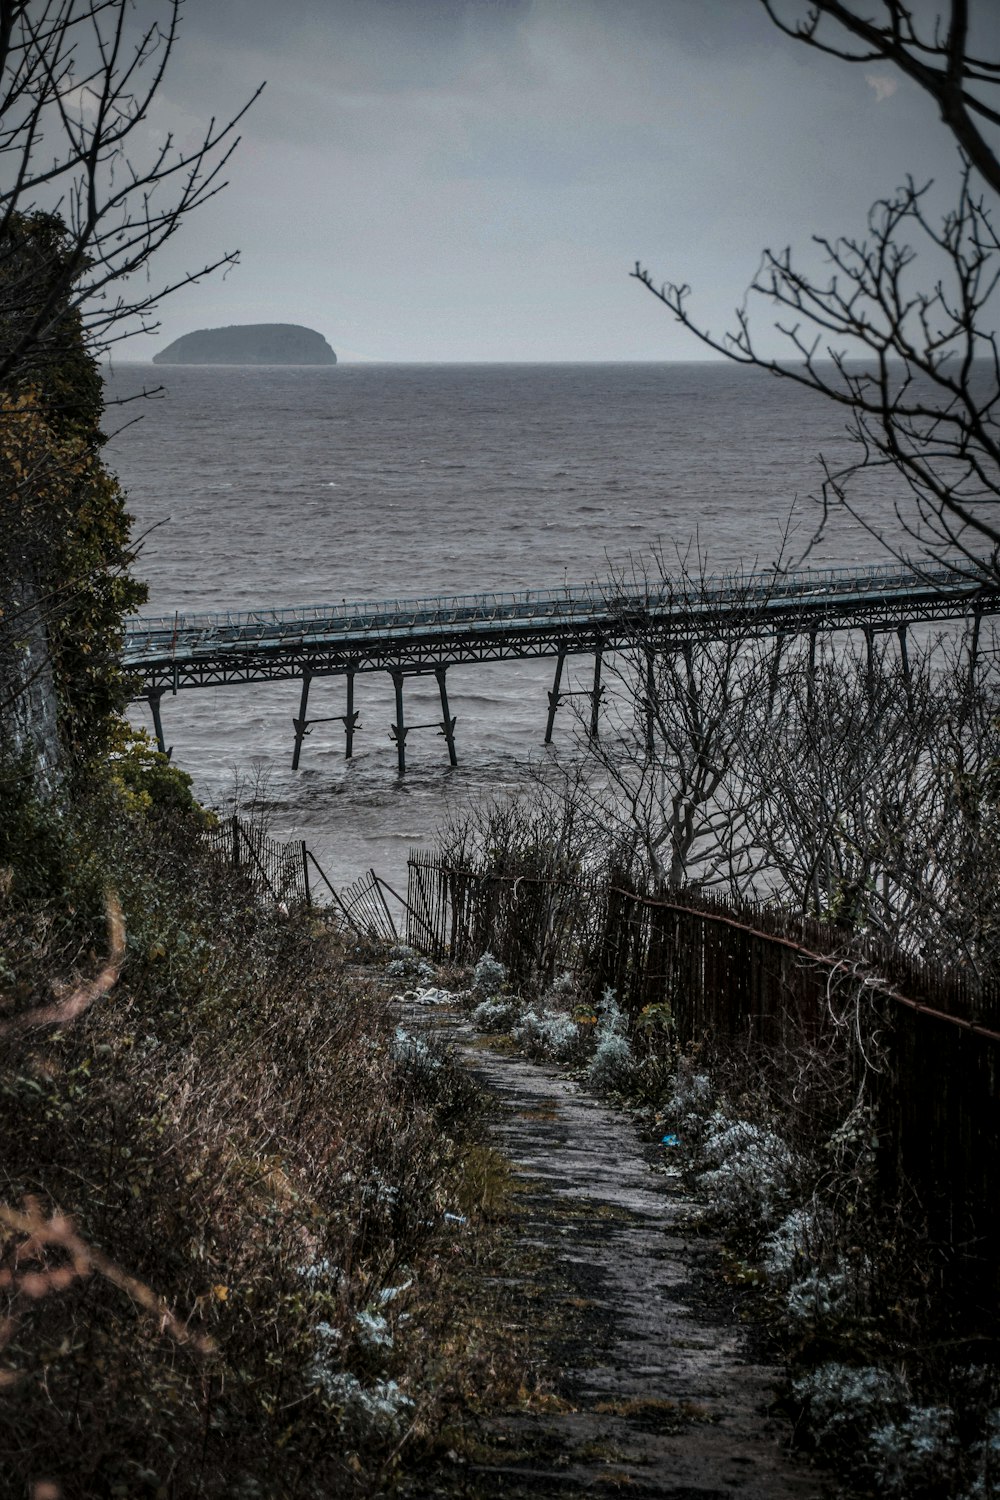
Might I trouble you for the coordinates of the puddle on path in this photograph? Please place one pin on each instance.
(660, 1397)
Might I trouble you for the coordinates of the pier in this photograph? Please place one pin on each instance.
(419, 637)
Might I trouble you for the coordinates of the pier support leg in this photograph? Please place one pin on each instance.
(648, 702)
(869, 660)
(774, 671)
(596, 696)
(301, 723)
(904, 664)
(153, 700)
(399, 728)
(554, 697)
(350, 718)
(977, 620)
(811, 674)
(448, 723)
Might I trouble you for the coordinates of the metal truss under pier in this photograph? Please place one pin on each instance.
(413, 637)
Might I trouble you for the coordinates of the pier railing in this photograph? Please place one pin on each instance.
(182, 632)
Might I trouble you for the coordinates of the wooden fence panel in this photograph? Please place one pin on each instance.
(763, 979)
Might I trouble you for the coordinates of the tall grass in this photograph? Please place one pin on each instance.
(223, 1243)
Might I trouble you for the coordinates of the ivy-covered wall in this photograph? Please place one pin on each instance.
(64, 536)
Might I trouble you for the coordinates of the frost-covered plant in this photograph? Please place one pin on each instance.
(379, 1410)
(496, 1015)
(551, 1033)
(613, 1062)
(414, 1053)
(820, 1296)
(373, 1331)
(489, 976)
(690, 1102)
(907, 1450)
(917, 1454)
(406, 963)
(985, 1461)
(563, 987)
(792, 1242)
(752, 1172)
(845, 1403)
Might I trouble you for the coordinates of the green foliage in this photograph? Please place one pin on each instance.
(148, 781)
(64, 529)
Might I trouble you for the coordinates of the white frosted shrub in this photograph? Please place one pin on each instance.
(613, 1062)
(414, 1053)
(752, 1170)
(406, 963)
(787, 1246)
(489, 976)
(690, 1102)
(907, 1450)
(373, 1331)
(563, 987)
(819, 1296)
(552, 1033)
(843, 1401)
(985, 1457)
(496, 1015)
(916, 1453)
(376, 1411)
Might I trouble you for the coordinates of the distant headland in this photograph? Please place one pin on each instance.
(249, 344)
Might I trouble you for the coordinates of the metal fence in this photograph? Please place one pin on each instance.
(283, 873)
(276, 871)
(754, 981)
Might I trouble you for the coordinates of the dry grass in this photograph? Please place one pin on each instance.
(224, 1252)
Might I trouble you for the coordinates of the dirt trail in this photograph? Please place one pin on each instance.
(661, 1398)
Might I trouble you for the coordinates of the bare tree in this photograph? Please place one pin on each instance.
(915, 300)
(78, 79)
(874, 800)
(664, 792)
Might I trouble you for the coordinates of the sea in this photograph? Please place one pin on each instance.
(270, 487)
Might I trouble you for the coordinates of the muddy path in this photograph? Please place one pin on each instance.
(654, 1393)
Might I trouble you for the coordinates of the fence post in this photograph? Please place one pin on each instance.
(236, 840)
(305, 873)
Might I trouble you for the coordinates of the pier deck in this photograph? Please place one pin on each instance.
(407, 637)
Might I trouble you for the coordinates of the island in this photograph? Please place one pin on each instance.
(249, 344)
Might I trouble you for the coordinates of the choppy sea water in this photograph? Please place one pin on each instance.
(281, 486)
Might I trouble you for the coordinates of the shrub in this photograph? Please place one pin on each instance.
(548, 1033)
(237, 1134)
(496, 1015)
(489, 976)
(613, 1064)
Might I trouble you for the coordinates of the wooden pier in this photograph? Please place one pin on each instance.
(420, 637)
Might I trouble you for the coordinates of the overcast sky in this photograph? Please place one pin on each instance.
(434, 180)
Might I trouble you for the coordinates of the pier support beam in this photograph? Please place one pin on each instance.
(977, 620)
(811, 674)
(596, 696)
(774, 671)
(554, 697)
(398, 730)
(904, 664)
(648, 702)
(301, 723)
(350, 719)
(869, 660)
(153, 699)
(447, 722)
